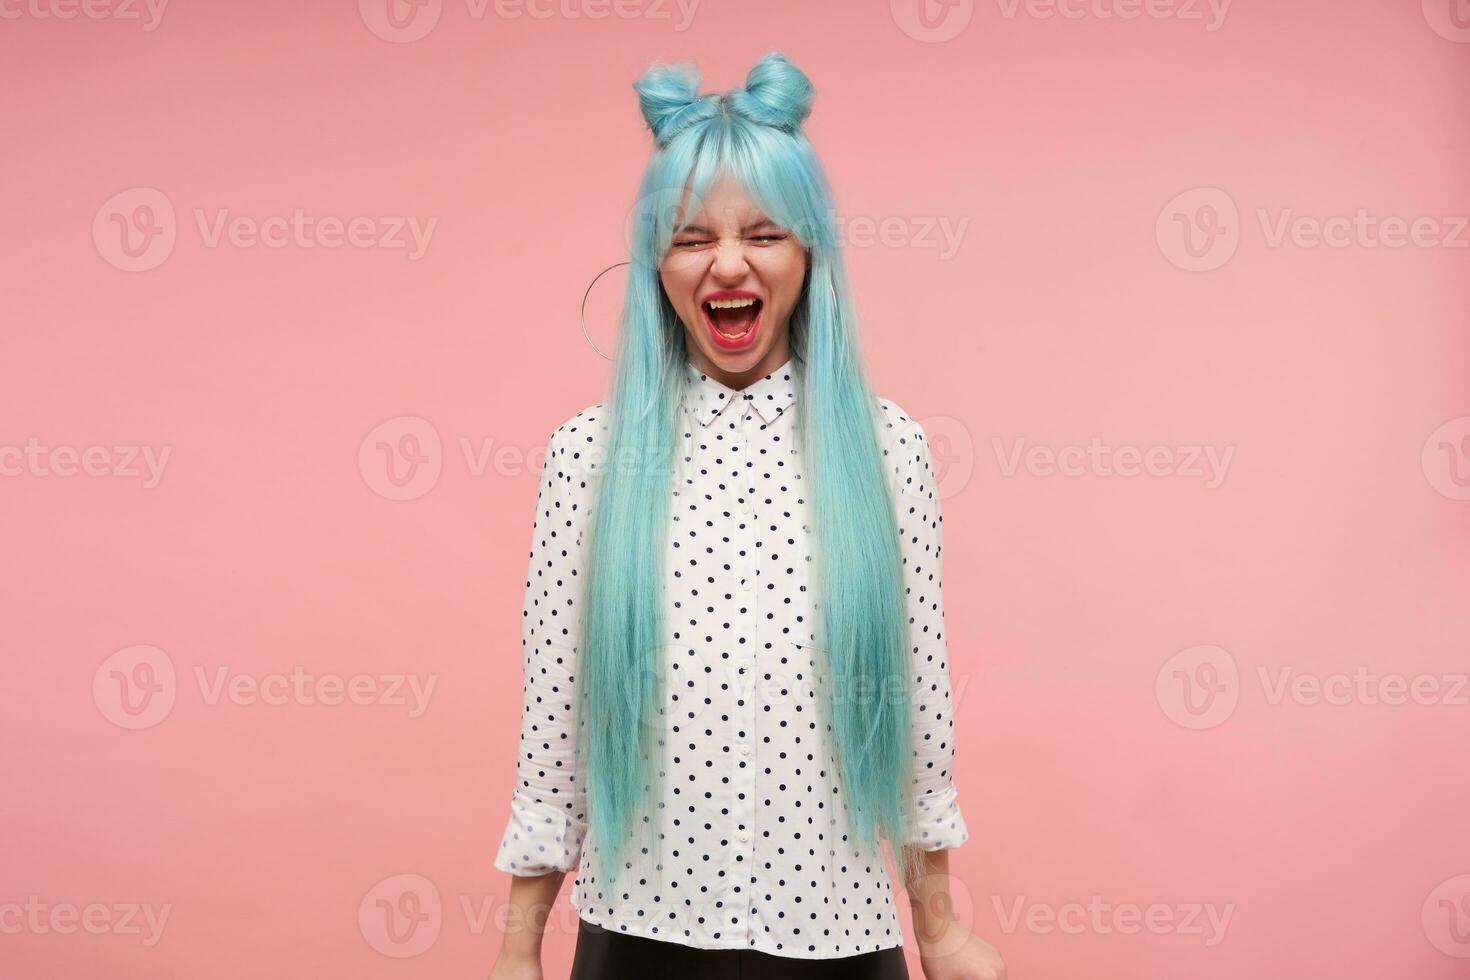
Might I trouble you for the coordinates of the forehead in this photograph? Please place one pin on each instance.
(724, 202)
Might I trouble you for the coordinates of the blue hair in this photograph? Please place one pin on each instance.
(754, 136)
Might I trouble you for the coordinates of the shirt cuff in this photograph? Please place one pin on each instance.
(538, 840)
(937, 823)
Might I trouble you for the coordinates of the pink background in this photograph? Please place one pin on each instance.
(1117, 641)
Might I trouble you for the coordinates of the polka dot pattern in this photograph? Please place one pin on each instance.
(748, 847)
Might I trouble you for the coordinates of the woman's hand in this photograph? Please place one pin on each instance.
(516, 966)
(955, 953)
(947, 949)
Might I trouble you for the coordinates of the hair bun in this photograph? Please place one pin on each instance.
(667, 95)
(776, 93)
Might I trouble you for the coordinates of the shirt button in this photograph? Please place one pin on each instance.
(747, 584)
(744, 837)
(745, 747)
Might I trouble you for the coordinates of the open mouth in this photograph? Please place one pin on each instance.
(733, 320)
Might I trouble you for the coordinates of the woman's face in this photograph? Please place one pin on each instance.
(751, 269)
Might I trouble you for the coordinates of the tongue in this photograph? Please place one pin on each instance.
(733, 323)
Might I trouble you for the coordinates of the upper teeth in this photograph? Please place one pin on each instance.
(731, 304)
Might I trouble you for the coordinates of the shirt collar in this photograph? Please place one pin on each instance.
(770, 395)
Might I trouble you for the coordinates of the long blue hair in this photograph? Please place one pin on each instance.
(753, 136)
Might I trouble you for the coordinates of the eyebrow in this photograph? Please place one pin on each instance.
(702, 230)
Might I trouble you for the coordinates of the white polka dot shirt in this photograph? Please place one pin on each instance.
(749, 847)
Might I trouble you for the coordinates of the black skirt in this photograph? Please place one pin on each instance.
(602, 954)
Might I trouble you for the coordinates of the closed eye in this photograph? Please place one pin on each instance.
(696, 242)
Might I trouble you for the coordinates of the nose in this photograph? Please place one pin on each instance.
(729, 264)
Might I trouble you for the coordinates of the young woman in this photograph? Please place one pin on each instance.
(736, 674)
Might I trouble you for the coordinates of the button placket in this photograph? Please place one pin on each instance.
(742, 442)
(745, 751)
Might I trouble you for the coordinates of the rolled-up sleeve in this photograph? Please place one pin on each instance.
(936, 821)
(548, 807)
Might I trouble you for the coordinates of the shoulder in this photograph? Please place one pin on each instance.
(574, 447)
(585, 429)
(904, 445)
(901, 433)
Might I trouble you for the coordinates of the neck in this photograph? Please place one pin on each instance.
(778, 355)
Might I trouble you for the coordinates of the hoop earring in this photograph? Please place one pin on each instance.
(583, 314)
